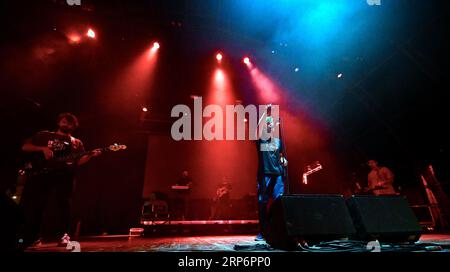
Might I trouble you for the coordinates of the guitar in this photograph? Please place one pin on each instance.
(42, 166)
(310, 169)
(222, 191)
(370, 191)
(38, 165)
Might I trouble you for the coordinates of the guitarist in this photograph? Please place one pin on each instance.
(57, 184)
(221, 202)
(380, 179)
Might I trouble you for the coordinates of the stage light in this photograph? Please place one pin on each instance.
(296, 69)
(154, 48)
(219, 57)
(246, 60)
(339, 75)
(91, 33)
(144, 109)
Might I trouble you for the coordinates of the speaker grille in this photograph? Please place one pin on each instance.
(384, 218)
(308, 215)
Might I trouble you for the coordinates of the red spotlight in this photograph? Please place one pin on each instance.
(74, 38)
(246, 60)
(144, 109)
(219, 57)
(90, 33)
(219, 77)
(221, 92)
(154, 48)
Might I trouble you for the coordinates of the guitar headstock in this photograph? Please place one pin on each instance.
(310, 169)
(313, 167)
(117, 147)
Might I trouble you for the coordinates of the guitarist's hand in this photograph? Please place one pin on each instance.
(96, 153)
(86, 158)
(48, 153)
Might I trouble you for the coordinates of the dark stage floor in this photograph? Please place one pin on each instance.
(123, 243)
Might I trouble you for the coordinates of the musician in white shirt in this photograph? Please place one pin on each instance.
(380, 179)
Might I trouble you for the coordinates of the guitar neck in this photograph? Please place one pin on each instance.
(78, 155)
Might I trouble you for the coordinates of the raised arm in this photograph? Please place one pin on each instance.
(263, 116)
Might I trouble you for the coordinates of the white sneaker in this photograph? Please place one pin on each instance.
(65, 240)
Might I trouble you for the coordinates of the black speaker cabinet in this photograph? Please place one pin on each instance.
(385, 218)
(312, 218)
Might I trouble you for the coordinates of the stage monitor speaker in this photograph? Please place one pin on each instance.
(385, 218)
(312, 218)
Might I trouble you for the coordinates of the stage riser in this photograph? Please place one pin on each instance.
(199, 230)
(201, 209)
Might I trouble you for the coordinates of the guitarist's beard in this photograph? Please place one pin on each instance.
(65, 129)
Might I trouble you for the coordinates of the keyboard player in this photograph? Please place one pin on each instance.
(185, 179)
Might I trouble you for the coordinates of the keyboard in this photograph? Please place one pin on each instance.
(180, 187)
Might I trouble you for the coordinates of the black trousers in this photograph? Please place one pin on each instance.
(221, 208)
(38, 192)
(180, 206)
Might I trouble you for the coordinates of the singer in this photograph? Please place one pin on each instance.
(270, 167)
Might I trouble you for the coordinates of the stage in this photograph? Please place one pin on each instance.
(225, 243)
(186, 128)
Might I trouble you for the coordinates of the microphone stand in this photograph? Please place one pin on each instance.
(285, 168)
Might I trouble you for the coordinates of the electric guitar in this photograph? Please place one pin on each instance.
(370, 191)
(38, 165)
(222, 191)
